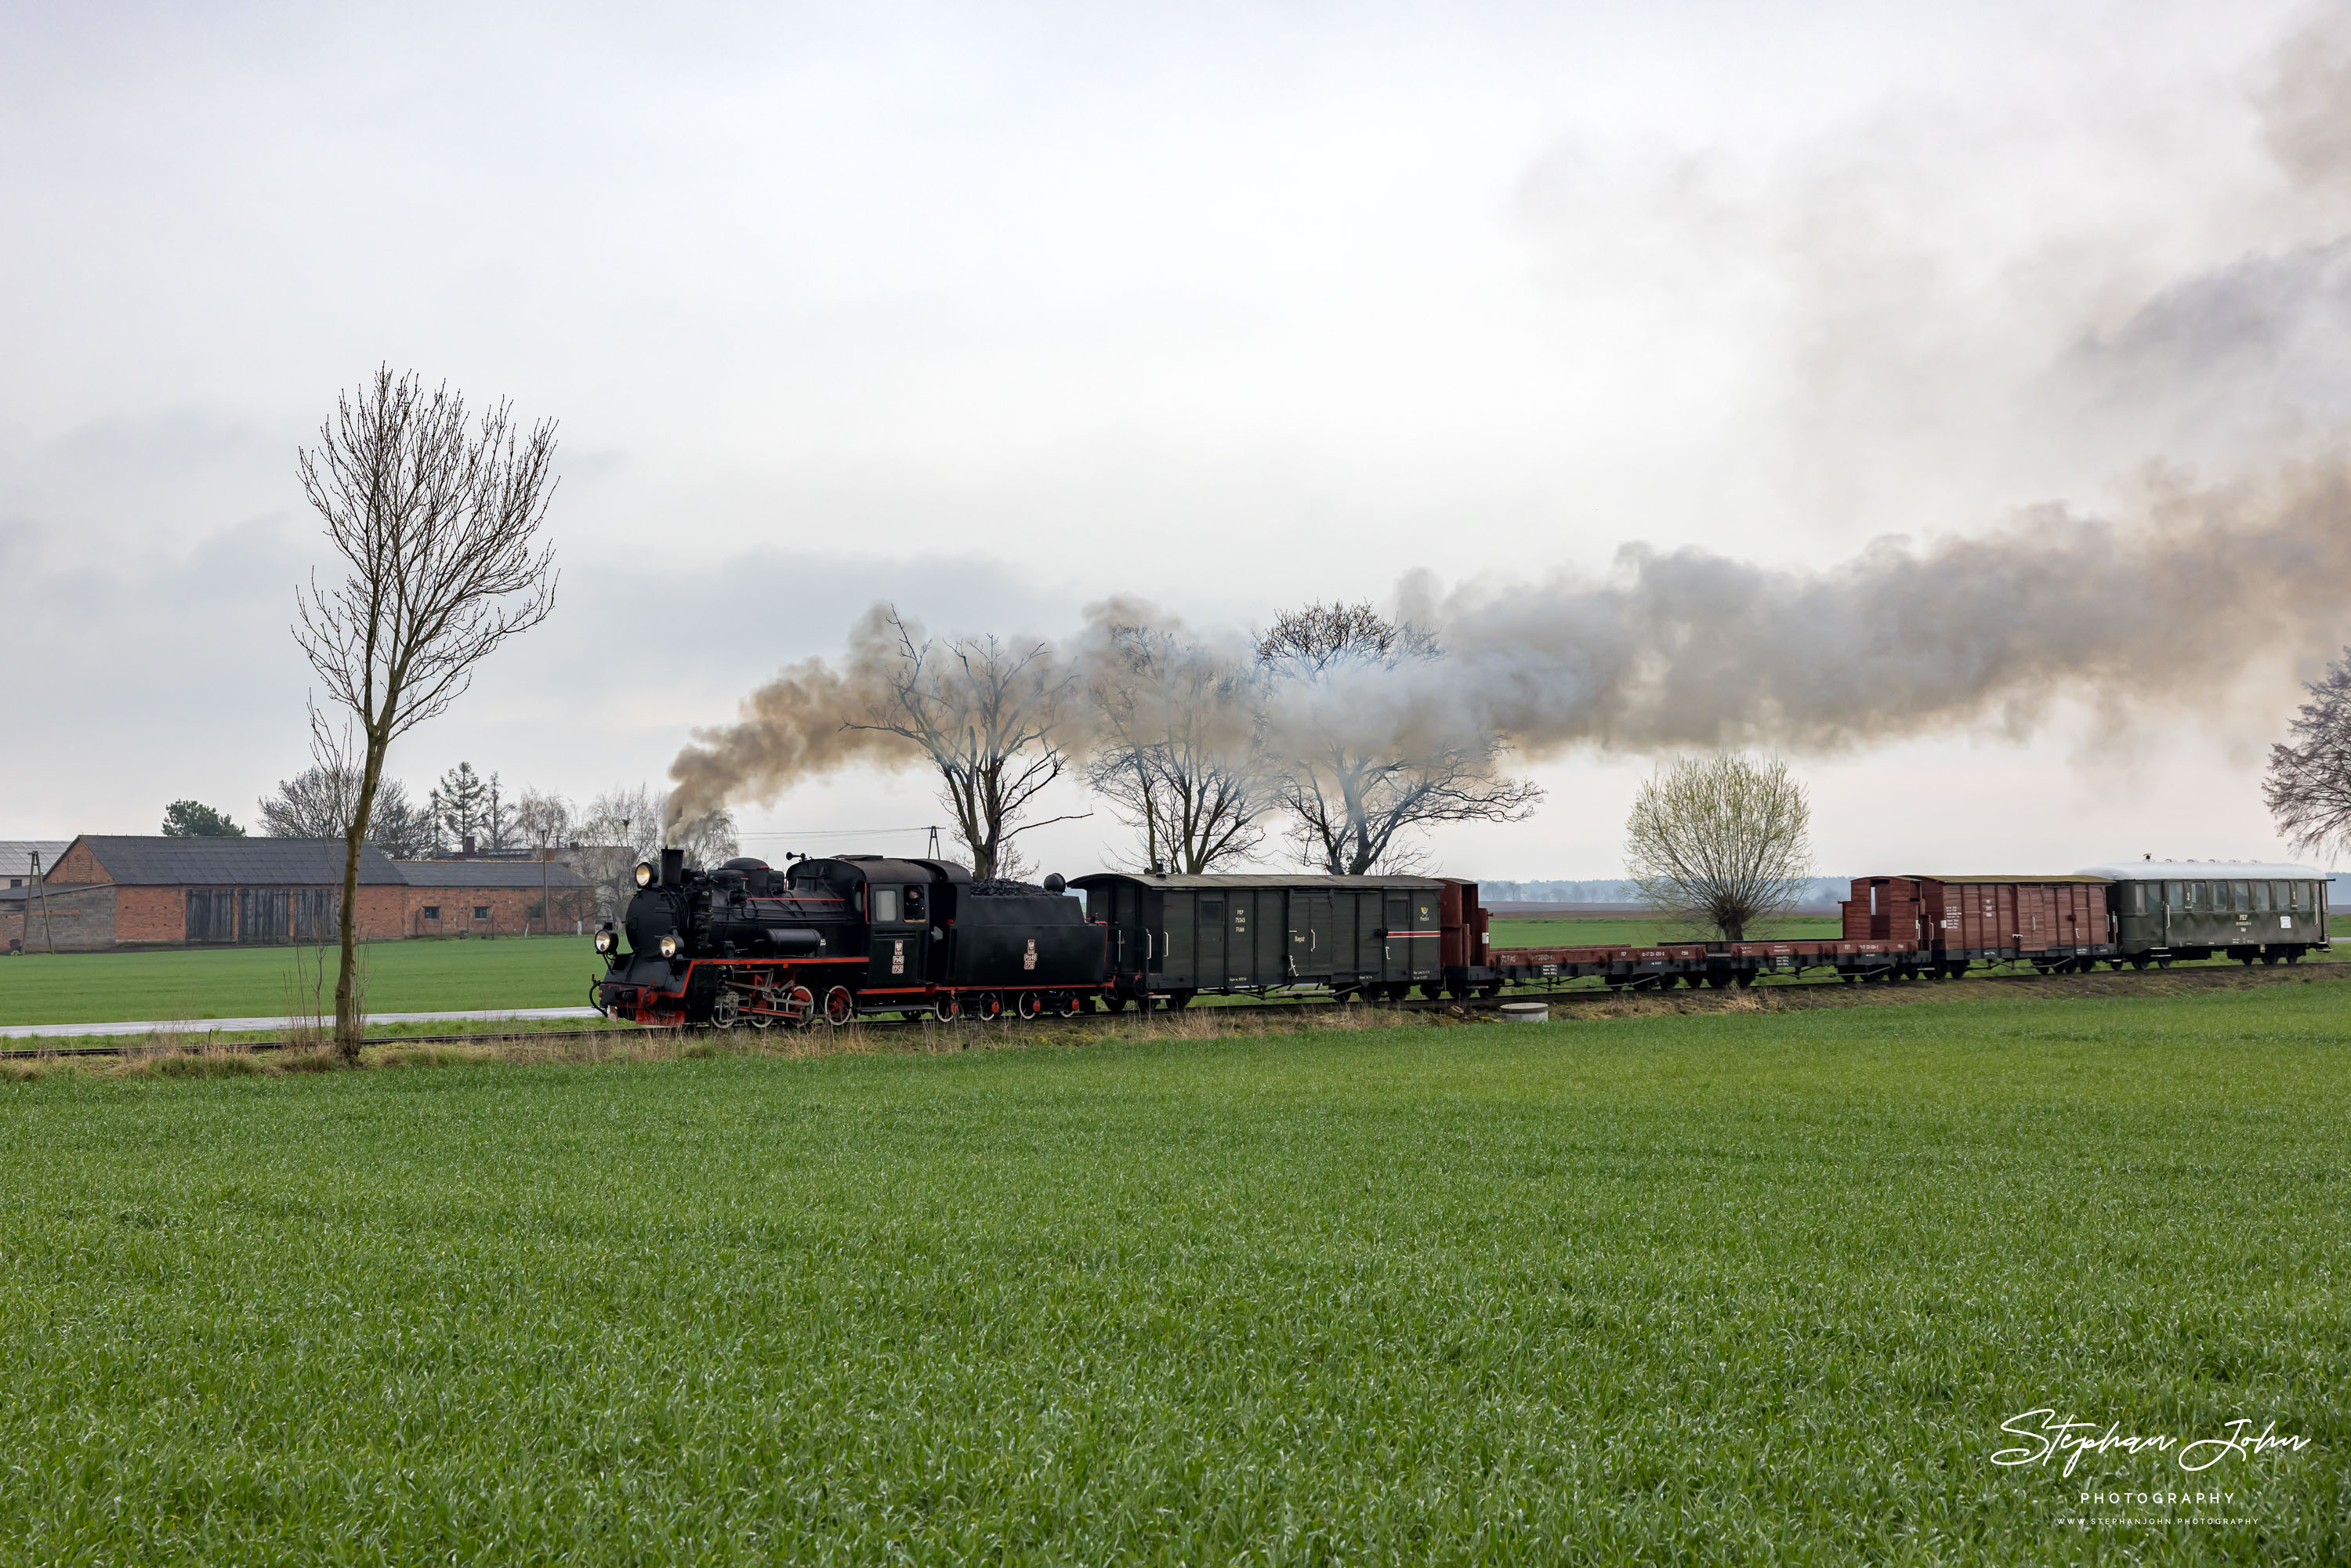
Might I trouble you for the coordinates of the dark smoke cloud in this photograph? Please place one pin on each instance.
(796, 726)
(1690, 648)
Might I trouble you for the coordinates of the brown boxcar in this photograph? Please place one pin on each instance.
(2058, 922)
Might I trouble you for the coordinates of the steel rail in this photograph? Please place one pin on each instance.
(1582, 998)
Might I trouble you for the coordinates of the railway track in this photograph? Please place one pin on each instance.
(1826, 992)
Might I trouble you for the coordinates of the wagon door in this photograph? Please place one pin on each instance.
(1395, 937)
(1209, 958)
(1312, 944)
(1173, 968)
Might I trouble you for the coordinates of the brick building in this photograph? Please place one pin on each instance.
(106, 891)
(150, 891)
(494, 897)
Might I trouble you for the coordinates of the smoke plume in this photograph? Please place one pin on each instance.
(1690, 648)
(2238, 368)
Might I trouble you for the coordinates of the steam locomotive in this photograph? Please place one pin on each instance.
(856, 935)
(866, 935)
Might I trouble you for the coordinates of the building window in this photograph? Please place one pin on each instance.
(481, 912)
(431, 912)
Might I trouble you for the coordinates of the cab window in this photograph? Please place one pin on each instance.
(914, 904)
(885, 905)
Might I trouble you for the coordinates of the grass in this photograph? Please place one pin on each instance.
(1741, 1287)
(255, 982)
(1587, 931)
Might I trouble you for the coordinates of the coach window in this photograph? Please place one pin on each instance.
(2243, 892)
(885, 905)
(2260, 905)
(914, 904)
(2135, 903)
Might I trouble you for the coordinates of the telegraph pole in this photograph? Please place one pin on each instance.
(41, 888)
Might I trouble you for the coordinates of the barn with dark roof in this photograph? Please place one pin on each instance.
(120, 891)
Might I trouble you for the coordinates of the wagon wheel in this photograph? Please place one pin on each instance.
(1114, 1004)
(1030, 1006)
(990, 1007)
(1068, 1007)
(945, 1008)
(1178, 1001)
(840, 1007)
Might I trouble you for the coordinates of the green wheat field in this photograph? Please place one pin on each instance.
(1743, 1287)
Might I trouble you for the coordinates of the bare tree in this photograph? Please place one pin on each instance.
(317, 803)
(1361, 760)
(2308, 786)
(1177, 752)
(623, 826)
(1720, 841)
(988, 717)
(544, 821)
(437, 521)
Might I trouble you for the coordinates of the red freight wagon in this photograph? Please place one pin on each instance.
(2051, 921)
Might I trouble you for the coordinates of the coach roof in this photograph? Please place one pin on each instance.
(2206, 870)
(216, 863)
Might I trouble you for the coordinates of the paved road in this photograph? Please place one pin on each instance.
(252, 1026)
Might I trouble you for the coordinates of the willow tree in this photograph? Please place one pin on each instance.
(436, 516)
(1720, 841)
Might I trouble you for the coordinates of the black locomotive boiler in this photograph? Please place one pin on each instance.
(834, 938)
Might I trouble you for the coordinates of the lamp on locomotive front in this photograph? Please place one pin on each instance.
(605, 940)
(645, 873)
(670, 945)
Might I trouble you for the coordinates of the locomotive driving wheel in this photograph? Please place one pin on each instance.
(840, 1007)
(799, 1007)
(727, 1010)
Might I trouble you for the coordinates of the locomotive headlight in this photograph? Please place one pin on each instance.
(604, 942)
(645, 873)
(670, 945)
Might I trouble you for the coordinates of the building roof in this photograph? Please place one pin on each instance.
(488, 873)
(249, 863)
(16, 855)
(2205, 871)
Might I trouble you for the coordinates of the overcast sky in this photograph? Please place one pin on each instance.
(997, 310)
